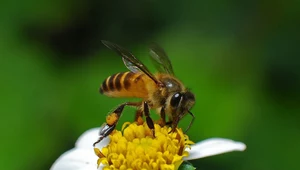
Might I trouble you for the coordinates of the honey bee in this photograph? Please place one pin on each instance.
(161, 91)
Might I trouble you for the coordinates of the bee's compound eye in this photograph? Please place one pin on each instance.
(175, 99)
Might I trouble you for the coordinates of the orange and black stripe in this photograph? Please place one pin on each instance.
(116, 82)
(126, 80)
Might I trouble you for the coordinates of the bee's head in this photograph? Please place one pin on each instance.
(181, 102)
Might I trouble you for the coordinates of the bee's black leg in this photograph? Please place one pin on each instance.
(174, 124)
(112, 120)
(104, 132)
(169, 122)
(162, 121)
(139, 116)
(111, 125)
(148, 118)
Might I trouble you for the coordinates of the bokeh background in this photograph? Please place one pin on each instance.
(240, 58)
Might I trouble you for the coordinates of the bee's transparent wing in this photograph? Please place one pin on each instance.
(160, 59)
(132, 63)
(131, 66)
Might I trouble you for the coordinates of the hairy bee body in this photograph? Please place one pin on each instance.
(161, 91)
(139, 85)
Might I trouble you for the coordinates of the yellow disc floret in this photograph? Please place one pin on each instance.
(136, 148)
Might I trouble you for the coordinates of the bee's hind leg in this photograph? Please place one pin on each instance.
(112, 121)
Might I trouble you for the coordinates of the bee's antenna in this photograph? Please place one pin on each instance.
(191, 122)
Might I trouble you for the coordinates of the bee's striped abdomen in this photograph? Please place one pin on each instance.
(112, 83)
(127, 84)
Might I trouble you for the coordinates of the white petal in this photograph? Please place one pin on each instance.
(86, 140)
(213, 146)
(76, 159)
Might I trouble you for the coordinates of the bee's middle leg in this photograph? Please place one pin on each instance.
(139, 116)
(148, 118)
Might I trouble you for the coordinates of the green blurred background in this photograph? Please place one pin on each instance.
(240, 58)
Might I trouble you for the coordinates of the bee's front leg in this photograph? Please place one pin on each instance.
(169, 122)
(162, 120)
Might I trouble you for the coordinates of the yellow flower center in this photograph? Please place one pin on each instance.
(136, 148)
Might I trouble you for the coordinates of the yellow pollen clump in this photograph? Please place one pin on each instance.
(111, 118)
(135, 148)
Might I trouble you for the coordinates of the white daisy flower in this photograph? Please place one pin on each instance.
(135, 148)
